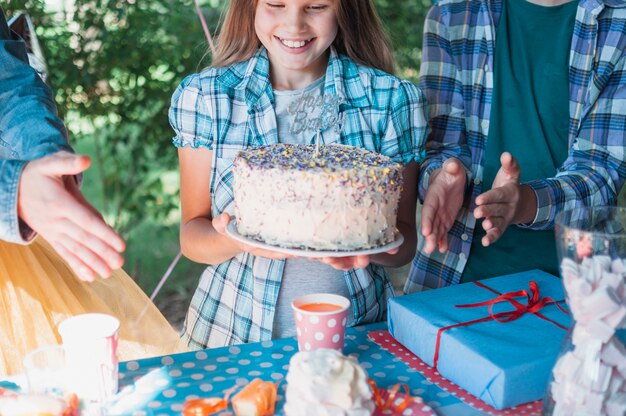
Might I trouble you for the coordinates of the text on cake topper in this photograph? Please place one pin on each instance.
(315, 112)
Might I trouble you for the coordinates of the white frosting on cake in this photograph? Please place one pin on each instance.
(326, 383)
(344, 199)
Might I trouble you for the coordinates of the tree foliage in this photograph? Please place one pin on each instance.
(114, 65)
(404, 22)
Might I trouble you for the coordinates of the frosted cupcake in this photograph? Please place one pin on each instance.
(326, 383)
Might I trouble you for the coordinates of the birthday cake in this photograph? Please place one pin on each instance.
(325, 382)
(332, 198)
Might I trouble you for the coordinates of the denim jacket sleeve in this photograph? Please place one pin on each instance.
(29, 126)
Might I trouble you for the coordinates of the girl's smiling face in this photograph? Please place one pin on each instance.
(297, 35)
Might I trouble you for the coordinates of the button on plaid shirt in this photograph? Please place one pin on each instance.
(229, 109)
(457, 79)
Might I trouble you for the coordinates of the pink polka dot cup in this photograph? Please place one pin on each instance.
(320, 321)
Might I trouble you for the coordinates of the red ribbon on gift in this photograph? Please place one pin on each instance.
(390, 402)
(533, 305)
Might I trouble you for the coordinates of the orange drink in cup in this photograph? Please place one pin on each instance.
(321, 320)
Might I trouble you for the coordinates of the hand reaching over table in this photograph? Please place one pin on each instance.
(50, 203)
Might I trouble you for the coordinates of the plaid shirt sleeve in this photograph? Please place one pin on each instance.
(441, 84)
(407, 125)
(189, 115)
(594, 171)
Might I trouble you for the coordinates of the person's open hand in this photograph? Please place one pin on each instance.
(443, 200)
(50, 202)
(221, 221)
(504, 204)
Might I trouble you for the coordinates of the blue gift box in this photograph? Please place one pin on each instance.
(502, 363)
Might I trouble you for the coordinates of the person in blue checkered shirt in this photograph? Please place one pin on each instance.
(527, 115)
(270, 54)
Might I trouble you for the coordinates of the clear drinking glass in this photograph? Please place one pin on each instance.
(46, 371)
(590, 372)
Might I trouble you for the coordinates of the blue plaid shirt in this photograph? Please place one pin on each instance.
(457, 79)
(229, 109)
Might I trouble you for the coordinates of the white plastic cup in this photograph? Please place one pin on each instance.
(90, 342)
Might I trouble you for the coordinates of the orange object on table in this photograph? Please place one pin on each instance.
(204, 407)
(389, 404)
(258, 398)
(73, 405)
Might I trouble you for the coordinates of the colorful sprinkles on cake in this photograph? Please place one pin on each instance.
(331, 158)
(301, 157)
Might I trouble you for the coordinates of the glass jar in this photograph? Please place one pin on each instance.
(589, 377)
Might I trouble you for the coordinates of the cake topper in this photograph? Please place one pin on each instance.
(314, 112)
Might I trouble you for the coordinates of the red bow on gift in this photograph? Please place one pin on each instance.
(534, 303)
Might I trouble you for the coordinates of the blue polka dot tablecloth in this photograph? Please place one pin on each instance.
(160, 386)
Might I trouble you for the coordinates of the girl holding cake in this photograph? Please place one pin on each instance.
(288, 72)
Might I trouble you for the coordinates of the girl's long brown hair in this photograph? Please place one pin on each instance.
(360, 36)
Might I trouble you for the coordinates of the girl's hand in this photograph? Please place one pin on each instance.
(351, 262)
(221, 221)
(507, 202)
(444, 198)
(50, 202)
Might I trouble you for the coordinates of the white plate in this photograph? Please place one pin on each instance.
(231, 230)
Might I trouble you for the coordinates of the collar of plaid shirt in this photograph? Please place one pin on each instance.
(252, 77)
